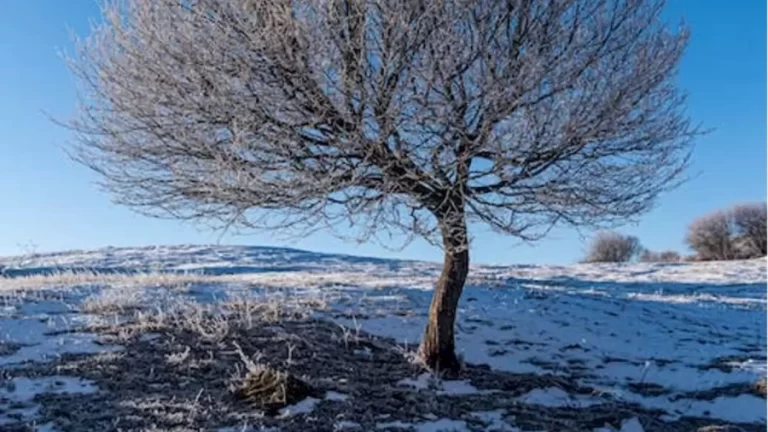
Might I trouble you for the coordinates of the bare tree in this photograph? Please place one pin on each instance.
(612, 247)
(711, 237)
(383, 116)
(749, 221)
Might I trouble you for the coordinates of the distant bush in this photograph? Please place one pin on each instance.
(738, 233)
(663, 256)
(710, 237)
(613, 247)
(670, 256)
(749, 222)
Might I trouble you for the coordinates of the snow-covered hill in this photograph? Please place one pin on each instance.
(678, 344)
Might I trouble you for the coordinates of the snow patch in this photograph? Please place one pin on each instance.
(555, 397)
(444, 387)
(305, 406)
(460, 388)
(441, 425)
(630, 425)
(16, 396)
(42, 339)
(422, 382)
(394, 425)
(46, 427)
(334, 396)
(494, 421)
(346, 424)
(248, 429)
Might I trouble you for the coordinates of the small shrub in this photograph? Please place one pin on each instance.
(613, 247)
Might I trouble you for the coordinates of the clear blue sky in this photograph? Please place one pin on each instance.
(51, 202)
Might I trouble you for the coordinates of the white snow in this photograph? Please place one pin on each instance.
(741, 408)
(346, 424)
(248, 429)
(42, 335)
(443, 387)
(335, 396)
(683, 327)
(305, 406)
(555, 397)
(422, 382)
(393, 425)
(46, 427)
(441, 425)
(630, 425)
(458, 388)
(494, 421)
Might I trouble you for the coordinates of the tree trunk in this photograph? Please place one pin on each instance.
(437, 346)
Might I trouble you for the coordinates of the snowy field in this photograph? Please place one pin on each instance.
(157, 338)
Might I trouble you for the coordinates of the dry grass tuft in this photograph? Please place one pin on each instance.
(174, 282)
(269, 390)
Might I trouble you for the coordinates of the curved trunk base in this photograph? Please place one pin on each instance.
(443, 361)
(437, 346)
